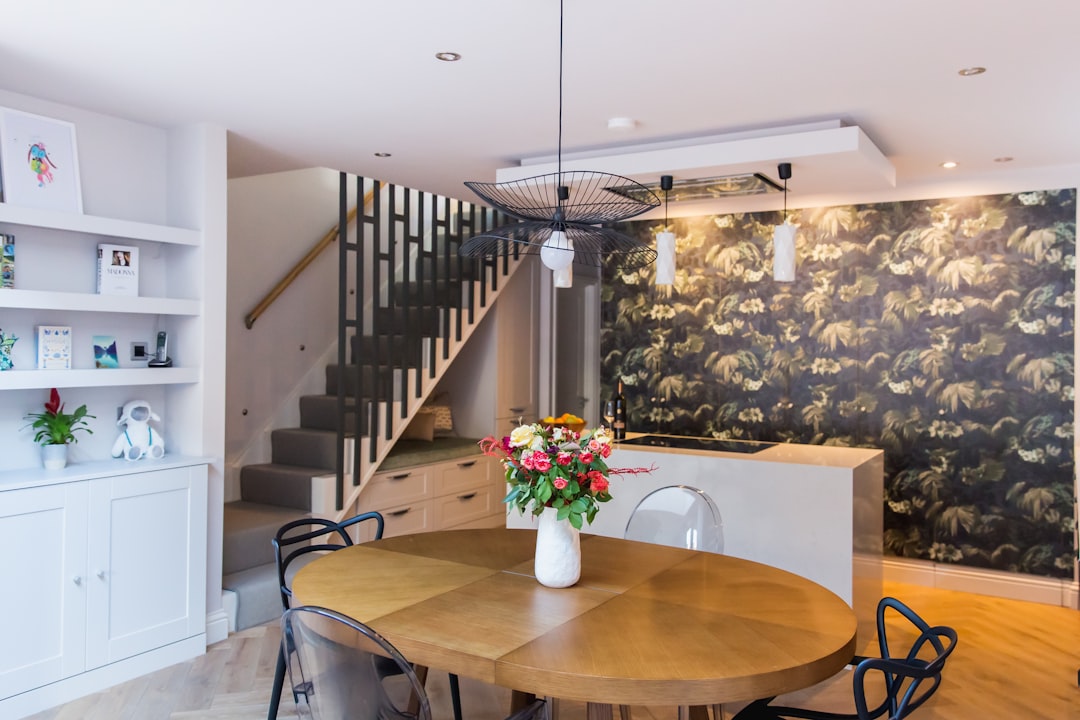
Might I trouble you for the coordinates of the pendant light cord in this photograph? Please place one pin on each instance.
(559, 153)
(785, 201)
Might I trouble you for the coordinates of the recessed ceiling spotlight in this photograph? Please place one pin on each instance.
(448, 56)
(1003, 159)
(621, 123)
(975, 70)
(382, 154)
(948, 164)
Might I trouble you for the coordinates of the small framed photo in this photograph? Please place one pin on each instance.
(105, 352)
(39, 162)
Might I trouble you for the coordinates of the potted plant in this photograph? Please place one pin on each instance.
(55, 429)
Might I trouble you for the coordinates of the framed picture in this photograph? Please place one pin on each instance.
(105, 352)
(39, 162)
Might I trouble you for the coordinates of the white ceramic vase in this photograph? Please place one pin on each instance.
(558, 551)
(54, 457)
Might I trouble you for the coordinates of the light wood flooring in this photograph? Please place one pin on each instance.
(1013, 660)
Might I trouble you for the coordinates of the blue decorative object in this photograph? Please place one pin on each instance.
(7, 342)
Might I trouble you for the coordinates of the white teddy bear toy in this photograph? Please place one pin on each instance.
(138, 440)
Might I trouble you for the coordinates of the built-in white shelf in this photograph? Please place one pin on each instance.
(111, 227)
(89, 470)
(98, 377)
(92, 302)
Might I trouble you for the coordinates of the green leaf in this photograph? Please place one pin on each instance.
(564, 512)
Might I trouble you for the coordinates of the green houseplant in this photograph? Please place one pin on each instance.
(56, 428)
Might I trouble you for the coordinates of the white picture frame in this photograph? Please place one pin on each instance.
(39, 162)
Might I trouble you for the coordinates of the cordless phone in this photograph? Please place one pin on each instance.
(161, 352)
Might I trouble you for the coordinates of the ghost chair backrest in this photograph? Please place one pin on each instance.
(338, 668)
(678, 516)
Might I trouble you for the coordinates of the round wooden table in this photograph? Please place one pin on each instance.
(645, 625)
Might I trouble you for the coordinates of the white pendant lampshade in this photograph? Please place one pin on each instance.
(784, 237)
(564, 277)
(665, 258)
(557, 252)
(783, 253)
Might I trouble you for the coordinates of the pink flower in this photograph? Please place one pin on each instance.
(564, 458)
(541, 462)
(586, 457)
(559, 483)
(599, 483)
(605, 451)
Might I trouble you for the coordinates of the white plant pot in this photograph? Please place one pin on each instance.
(54, 457)
(558, 551)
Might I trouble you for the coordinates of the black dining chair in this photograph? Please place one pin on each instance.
(338, 668)
(908, 680)
(297, 543)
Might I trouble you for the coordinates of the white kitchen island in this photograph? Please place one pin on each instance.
(813, 510)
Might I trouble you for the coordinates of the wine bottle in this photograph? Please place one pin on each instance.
(619, 425)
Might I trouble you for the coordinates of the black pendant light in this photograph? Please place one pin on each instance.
(560, 211)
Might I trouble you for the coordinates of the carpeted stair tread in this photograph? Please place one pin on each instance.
(277, 484)
(258, 599)
(304, 447)
(248, 529)
(319, 412)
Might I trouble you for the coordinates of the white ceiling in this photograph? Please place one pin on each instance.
(330, 83)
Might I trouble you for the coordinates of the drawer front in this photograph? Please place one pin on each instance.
(464, 474)
(396, 488)
(408, 519)
(465, 506)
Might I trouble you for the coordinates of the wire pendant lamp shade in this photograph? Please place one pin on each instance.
(560, 212)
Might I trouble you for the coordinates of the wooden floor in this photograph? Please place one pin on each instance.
(1013, 660)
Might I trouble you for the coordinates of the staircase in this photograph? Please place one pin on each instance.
(414, 307)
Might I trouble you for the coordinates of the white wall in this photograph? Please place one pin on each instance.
(273, 221)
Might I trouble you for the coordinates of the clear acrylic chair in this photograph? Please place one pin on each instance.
(678, 516)
(299, 542)
(341, 669)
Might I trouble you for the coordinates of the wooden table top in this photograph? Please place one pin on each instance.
(645, 624)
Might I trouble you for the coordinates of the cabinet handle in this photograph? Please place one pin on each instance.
(464, 465)
(402, 476)
(77, 580)
(101, 574)
(463, 498)
(517, 410)
(399, 513)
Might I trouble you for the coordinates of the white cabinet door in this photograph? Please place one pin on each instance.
(147, 556)
(518, 346)
(43, 566)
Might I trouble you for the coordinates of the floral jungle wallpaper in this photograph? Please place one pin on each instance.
(939, 330)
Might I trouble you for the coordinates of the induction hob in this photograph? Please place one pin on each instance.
(698, 443)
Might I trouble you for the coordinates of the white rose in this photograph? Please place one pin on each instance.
(522, 436)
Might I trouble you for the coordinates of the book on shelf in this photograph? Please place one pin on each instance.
(54, 347)
(7, 261)
(118, 269)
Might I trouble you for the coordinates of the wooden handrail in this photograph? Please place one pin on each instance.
(313, 253)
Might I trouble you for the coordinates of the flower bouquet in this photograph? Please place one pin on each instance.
(556, 467)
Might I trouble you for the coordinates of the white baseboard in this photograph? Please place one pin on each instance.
(218, 624)
(1014, 586)
(230, 603)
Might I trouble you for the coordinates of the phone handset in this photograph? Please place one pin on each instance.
(161, 352)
